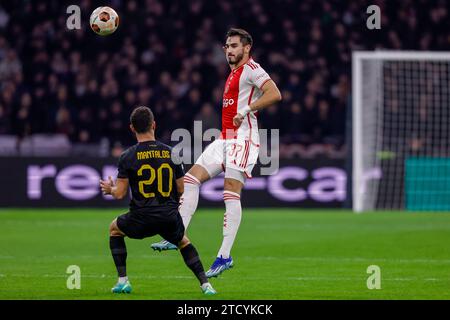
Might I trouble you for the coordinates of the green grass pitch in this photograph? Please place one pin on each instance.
(279, 254)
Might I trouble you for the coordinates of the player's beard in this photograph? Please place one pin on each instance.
(235, 59)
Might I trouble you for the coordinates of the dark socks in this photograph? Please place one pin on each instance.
(192, 260)
(119, 254)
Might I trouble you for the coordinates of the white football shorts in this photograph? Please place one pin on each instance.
(238, 154)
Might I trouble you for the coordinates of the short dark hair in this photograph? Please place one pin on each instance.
(246, 38)
(142, 118)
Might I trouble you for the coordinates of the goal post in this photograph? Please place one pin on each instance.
(401, 130)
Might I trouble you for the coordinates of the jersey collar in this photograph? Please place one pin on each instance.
(235, 70)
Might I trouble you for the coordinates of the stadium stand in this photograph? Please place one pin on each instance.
(81, 86)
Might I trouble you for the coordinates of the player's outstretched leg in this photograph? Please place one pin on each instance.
(192, 260)
(119, 254)
(188, 202)
(163, 245)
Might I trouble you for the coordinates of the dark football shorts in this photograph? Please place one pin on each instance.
(141, 224)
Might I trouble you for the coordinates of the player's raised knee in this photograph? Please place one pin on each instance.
(199, 173)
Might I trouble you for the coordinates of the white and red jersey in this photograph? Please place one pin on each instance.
(242, 87)
(237, 149)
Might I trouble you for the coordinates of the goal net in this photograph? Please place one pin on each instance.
(401, 130)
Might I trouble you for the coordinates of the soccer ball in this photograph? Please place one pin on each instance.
(104, 21)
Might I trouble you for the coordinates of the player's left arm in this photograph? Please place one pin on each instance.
(180, 186)
(118, 190)
(179, 173)
(271, 94)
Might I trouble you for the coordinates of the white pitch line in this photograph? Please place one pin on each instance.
(103, 276)
(363, 279)
(350, 259)
(93, 276)
(317, 259)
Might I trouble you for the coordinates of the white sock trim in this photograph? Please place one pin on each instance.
(189, 178)
(226, 192)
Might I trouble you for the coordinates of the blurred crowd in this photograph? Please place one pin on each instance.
(168, 55)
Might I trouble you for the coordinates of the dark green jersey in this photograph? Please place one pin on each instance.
(152, 176)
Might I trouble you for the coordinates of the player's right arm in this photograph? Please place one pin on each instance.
(117, 190)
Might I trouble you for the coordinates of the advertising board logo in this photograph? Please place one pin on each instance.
(291, 184)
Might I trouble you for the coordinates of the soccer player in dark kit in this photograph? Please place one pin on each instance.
(156, 185)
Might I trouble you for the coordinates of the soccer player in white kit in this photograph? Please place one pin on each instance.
(248, 89)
